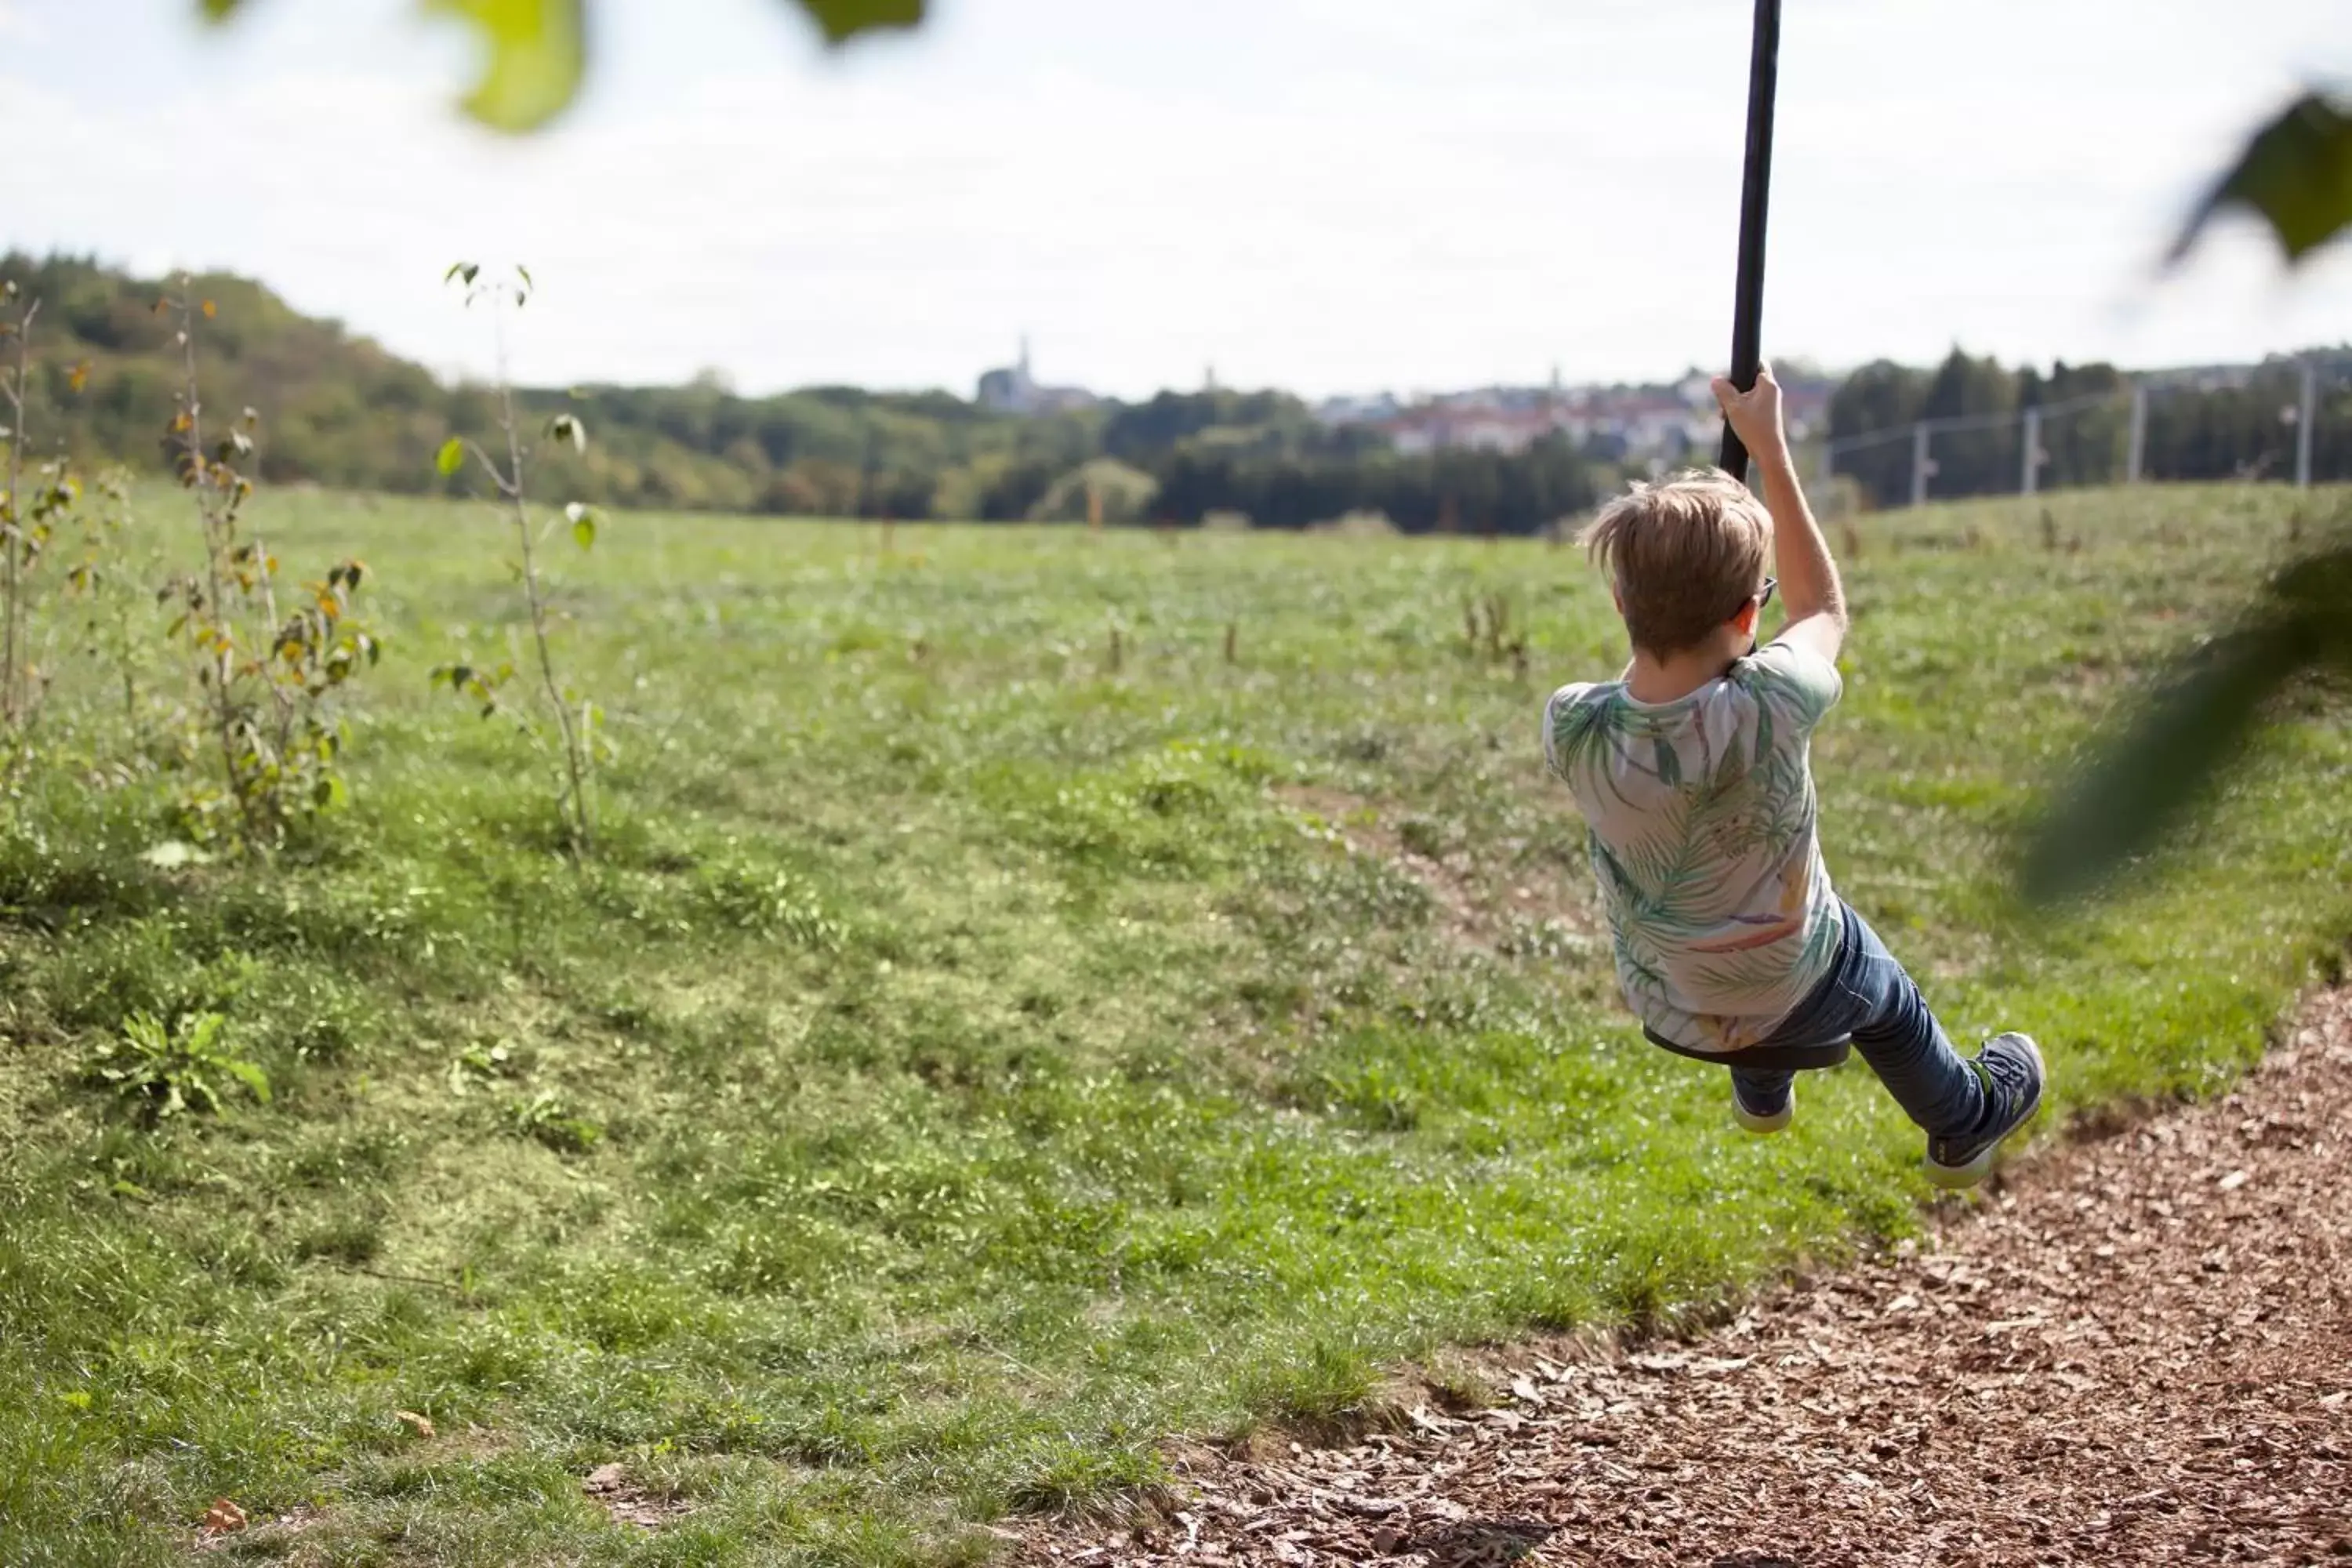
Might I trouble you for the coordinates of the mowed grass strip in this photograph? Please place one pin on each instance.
(978, 1054)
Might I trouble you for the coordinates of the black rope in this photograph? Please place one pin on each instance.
(1755, 187)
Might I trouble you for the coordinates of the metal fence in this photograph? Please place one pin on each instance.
(2270, 424)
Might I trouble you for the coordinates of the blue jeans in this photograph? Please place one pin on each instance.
(1866, 995)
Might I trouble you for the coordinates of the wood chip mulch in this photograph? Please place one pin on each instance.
(2136, 1349)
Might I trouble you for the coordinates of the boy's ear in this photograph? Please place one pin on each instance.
(1745, 621)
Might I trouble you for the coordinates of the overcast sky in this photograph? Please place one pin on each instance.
(1326, 194)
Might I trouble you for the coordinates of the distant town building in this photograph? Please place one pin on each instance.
(1369, 410)
(1668, 422)
(1013, 389)
(1477, 428)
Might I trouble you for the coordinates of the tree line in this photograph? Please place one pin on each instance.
(346, 413)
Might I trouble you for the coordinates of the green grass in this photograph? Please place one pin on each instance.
(966, 1064)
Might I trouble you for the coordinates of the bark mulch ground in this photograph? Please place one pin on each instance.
(2137, 1350)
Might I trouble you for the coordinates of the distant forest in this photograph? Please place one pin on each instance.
(340, 410)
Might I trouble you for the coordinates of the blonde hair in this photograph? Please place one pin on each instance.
(1685, 555)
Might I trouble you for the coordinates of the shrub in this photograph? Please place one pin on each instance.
(168, 1070)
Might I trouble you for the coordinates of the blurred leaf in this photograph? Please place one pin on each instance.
(172, 854)
(2184, 740)
(583, 523)
(2295, 174)
(539, 48)
(538, 51)
(567, 427)
(845, 19)
(251, 1076)
(451, 458)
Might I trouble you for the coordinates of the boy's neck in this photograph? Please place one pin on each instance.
(1650, 679)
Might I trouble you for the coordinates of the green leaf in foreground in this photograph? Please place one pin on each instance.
(845, 19)
(2295, 174)
(452, 457)
(2185, 739)
(538, 53)
(539, 48)
(257, 1082)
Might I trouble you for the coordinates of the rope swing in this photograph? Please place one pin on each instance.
(1755, 187)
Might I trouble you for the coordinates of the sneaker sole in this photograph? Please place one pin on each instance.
(1763, 1126)
(1959, 1178)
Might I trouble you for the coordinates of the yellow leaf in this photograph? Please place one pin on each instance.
(79, 377)
(420, 1425)
(209, 311)
(538, 51)
(225, 1518)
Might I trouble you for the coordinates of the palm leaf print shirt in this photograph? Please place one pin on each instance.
(1701, 814)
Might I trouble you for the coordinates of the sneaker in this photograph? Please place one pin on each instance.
(2011, 1068)
(1761, 1117)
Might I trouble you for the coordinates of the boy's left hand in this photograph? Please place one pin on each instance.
(1754, 414)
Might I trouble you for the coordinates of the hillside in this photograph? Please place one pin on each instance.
(340, 410)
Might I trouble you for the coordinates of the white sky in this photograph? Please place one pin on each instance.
(1326, 194)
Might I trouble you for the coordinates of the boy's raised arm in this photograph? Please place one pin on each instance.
(1809, 578)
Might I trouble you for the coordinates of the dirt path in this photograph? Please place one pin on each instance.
(2139, 1350)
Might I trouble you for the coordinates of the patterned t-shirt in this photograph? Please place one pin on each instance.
(1701, 812)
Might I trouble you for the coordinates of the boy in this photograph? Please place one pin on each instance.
(1694, 776)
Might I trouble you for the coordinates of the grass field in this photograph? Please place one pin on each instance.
(972, 1060)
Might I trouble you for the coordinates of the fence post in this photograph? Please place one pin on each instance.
(1920, 464)
(2306, 417)
(2027, 482)
(2136, 457)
